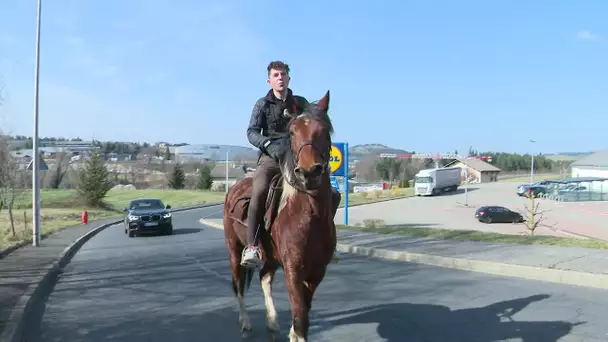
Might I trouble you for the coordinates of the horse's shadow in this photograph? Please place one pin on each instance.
(437, 323)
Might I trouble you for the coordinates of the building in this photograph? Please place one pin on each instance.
(593, 165)
(479, 170)
(218, 175)
(209, 152)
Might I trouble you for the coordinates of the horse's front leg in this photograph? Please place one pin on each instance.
(266, 277)
(299, 305)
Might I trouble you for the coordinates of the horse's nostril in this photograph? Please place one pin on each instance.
(297, 170)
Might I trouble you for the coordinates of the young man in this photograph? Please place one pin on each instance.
(267, 130)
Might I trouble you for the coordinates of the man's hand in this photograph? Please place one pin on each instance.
(277, 148)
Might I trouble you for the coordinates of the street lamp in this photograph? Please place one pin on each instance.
(532, 164)
(36, 155)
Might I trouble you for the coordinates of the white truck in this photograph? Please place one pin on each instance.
(437, 181)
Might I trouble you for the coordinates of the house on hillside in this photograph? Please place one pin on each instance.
(479, 170)
(218, 174)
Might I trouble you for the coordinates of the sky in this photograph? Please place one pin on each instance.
(428, 76)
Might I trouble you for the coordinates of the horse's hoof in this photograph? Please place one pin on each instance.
(273, 327)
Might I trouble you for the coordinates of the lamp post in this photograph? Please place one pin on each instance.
(532, 164)
(227, 169)
(35, 147)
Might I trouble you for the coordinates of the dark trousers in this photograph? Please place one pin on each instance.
(267, 168)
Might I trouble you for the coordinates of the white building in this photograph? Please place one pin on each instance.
(593, 165)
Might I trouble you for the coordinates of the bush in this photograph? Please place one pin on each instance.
(177, 179)
(205, 181)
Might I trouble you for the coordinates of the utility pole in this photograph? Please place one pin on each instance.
(36, 147)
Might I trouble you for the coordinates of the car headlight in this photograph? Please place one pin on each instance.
(167, 215)
(133, 217)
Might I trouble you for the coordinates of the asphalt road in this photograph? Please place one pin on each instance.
(177, 288)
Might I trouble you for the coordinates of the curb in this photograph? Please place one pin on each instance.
(13, 330)
(566, 277)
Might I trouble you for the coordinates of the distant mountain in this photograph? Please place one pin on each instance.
(360, 151)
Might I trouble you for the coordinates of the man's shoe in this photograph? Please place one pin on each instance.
(251, 257)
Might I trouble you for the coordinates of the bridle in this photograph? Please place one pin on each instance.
(296, 156)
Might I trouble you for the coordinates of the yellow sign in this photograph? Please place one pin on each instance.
(335, 159)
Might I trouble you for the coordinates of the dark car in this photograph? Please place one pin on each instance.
(147, 215)
(495, 213)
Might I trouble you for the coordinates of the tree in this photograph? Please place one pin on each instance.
(177, 178)
(12, 181)
(62, 165)
(94, 181)
(534, 216)
(205, 181)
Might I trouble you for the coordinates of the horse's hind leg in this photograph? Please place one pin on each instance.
(267, 276)
(238, 285)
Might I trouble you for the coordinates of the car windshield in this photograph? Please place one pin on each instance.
(424, 180)
(147, 204)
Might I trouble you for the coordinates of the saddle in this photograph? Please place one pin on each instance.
(241, 205)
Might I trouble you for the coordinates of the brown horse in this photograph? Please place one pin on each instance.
(300, 231)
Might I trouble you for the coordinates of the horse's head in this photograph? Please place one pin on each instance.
(307, 161)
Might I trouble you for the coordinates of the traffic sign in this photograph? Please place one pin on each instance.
(334, 182)
(336, 159)
(42, 165)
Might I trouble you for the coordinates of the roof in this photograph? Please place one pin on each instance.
(475, 164)
(577, 180)
(599, 158)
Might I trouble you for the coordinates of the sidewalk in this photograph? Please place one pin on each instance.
(21, 268)
(551, 257)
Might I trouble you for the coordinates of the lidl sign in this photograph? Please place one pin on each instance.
(336, 159)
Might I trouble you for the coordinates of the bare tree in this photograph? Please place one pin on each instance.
(534, 216)
(57, 174)
(12, 181)
(366, 168)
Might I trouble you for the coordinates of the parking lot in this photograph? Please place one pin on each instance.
(448, 211)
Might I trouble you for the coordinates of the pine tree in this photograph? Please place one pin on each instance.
(177, 178)
(205, 181)
(94, 181)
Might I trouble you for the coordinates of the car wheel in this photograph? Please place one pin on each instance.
(169, 231)
(489, 220)
(131, 233)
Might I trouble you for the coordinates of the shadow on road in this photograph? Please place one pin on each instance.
(437, 323)
(184, 231)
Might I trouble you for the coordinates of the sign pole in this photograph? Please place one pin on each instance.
(346, 185)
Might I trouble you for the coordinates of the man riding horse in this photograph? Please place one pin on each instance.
(268, 132)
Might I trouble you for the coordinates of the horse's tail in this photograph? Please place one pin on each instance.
(248, 278)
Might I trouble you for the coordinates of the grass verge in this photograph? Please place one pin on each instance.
(376, 196)
(376, 226)
(62, 208)
(51, 220)
(526, 179)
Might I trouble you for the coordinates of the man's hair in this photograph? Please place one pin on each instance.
(278, 65)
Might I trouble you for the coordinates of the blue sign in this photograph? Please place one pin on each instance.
(334, 182)
(338, 162)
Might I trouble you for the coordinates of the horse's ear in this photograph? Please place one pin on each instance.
(323, 103)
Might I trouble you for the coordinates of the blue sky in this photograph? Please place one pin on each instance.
(429, 76)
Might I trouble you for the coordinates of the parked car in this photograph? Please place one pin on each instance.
(495, 213)
(147, 215)
(538, 188)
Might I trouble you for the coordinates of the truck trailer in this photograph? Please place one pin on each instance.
(432, 182)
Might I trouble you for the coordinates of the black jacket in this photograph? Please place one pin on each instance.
(267, 119)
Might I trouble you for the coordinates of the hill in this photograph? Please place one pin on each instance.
(360, 151)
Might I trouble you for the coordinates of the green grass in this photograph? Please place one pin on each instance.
(119, 199)
(375, 226)
(51, 220)
(63, 208)
(377, 196)
(526, 179)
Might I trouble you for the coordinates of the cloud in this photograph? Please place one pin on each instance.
(587, 35)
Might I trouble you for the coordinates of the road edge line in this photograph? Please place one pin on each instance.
(14, 327)
(566, 277)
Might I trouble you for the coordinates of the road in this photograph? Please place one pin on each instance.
(448, 212)
(177, 288)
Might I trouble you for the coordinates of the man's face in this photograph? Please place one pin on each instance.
(278, 80)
